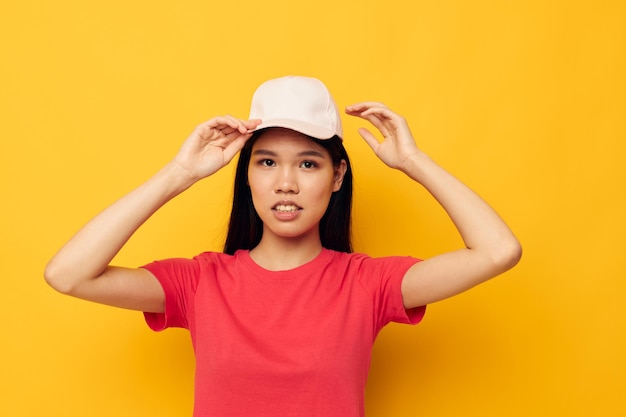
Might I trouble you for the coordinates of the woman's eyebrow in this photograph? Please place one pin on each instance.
(267, 152)
(312, 153)
(264, 152)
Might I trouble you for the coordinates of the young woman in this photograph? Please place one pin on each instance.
(284, 320)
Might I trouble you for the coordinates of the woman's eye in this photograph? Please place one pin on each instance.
(267, 162)
(308, 164)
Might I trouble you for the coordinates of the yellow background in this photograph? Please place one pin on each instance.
(523, 100)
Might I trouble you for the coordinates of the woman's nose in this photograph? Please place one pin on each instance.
(286, 182)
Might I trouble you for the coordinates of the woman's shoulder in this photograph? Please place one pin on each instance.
(215, 258)
(362, 260)
(349, 261)
(211, 255)
(365, 257)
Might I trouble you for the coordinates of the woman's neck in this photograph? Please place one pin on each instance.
(280, 254)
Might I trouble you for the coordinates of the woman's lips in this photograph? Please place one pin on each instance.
(286, 210)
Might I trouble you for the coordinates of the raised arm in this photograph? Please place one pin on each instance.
(81, 267)
(491, 248)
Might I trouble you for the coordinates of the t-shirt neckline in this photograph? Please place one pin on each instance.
(243, 255)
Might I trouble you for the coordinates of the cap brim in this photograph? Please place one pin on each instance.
(299, 126)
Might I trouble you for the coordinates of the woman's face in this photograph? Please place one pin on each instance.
(291, 179)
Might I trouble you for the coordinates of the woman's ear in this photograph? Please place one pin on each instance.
(340, 172)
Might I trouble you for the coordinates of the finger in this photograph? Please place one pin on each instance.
(356, 108)
(391, 121)
(370, 139)
(235, 146)
(371, 111)
(252, 123)
(227, 127)
(237, 124)
(381, 112)
(221, 122)
(377, 118)
(242, 125)
(211, 129)
(371, 107)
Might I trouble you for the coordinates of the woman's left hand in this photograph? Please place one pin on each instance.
(490, 246)
(398, 145)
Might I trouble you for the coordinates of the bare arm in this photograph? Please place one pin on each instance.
(81, 267)
(491, 248)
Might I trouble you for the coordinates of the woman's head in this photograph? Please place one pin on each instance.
(292, 107)
(246, 225)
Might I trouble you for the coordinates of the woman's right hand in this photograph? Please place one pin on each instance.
(82, 268)
(213, 144)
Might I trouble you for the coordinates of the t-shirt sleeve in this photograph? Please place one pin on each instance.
(383, 277)
(178, 278)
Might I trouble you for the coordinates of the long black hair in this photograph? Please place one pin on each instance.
(245, 227)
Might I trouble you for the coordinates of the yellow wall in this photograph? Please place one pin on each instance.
(524, 100)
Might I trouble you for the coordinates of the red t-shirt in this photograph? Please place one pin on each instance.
(282, 343)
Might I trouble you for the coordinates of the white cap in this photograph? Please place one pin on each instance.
(302, 104)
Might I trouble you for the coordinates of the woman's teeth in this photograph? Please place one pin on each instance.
(286, 208)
